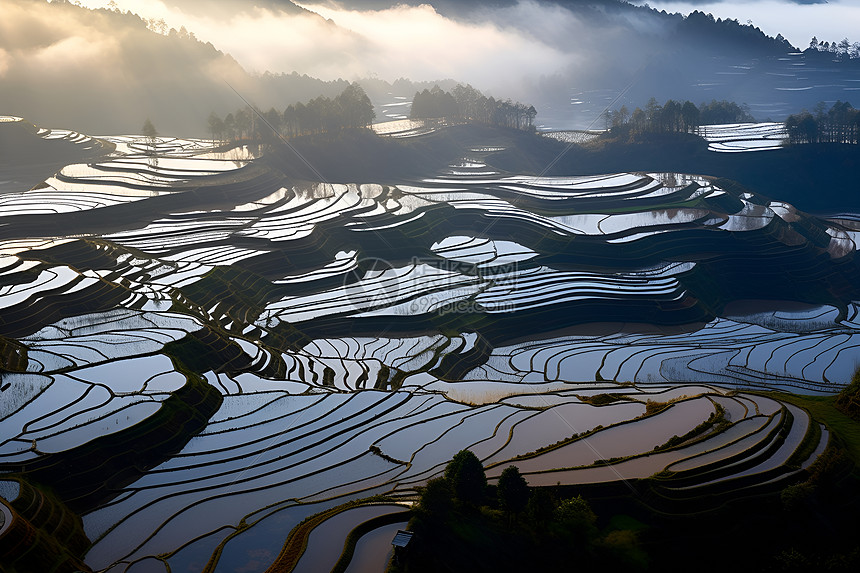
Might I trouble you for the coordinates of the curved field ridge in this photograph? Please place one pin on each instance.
(740, 137)
(204, 353)
(143, 169)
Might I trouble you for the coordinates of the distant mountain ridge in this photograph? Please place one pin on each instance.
(590, 8)
(103, 71)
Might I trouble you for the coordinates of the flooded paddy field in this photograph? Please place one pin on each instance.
(200, 354)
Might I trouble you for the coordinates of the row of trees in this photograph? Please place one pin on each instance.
(465, 103)
(351, 109)
(839, 124)
(459, 525)
(464, 485)
(843, 50)
(730, 34)
(674, 116)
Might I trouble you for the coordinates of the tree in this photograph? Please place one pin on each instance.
(802, 128)
(216, 126)
(466, 477)
(242, 121)
(531, 113)
(638, 120)
(619, 117)
(540, 507)
(813, 43)
(355, 106)
(273, 117)
(149, 131)
(290, 121)
(606, 116)
(723, 111)
(302, 118)
(690, 116)
(468, 102)
(436, 503)
(670, 117)
(844, 49)
(272, 120)
(576, 516)
(230, 126)
(434, 104)
(512, 490)
(653, 112)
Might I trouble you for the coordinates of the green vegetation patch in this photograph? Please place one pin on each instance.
(848, 401)
(825, 409)
(518, 529)
(717, 420)
(205, 350)
(603, 399)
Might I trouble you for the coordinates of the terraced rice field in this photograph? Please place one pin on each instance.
(740, 137)
(724, 138)
(199, 354)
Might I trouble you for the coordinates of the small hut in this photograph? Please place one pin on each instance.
(400, 541)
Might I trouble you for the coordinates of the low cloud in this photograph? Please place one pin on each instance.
(101, 70)
(501, 50)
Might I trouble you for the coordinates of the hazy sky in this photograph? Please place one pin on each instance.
(797, 22)
(414, 42)
(530, 40)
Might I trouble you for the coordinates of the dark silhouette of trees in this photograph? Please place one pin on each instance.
(512, 491)
(541, 507)
(434, 104)
(465, 103)
(457, 528)
(691, 117)
(839, 124)
(465, 474)
(243, 123)
(437, 501)
(271, 128)
(351, 109)
(216, 126)
(355, 107)
(732, 35)
(149, 130)
(674, 117)
(229, 127)
(724, 111)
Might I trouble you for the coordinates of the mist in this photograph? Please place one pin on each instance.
(66, 67)
(505, 50)
(107, 70)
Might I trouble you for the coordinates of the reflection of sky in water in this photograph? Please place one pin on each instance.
(771, 88)
(253, 550)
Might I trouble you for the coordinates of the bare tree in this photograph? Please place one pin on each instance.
(150, 133)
